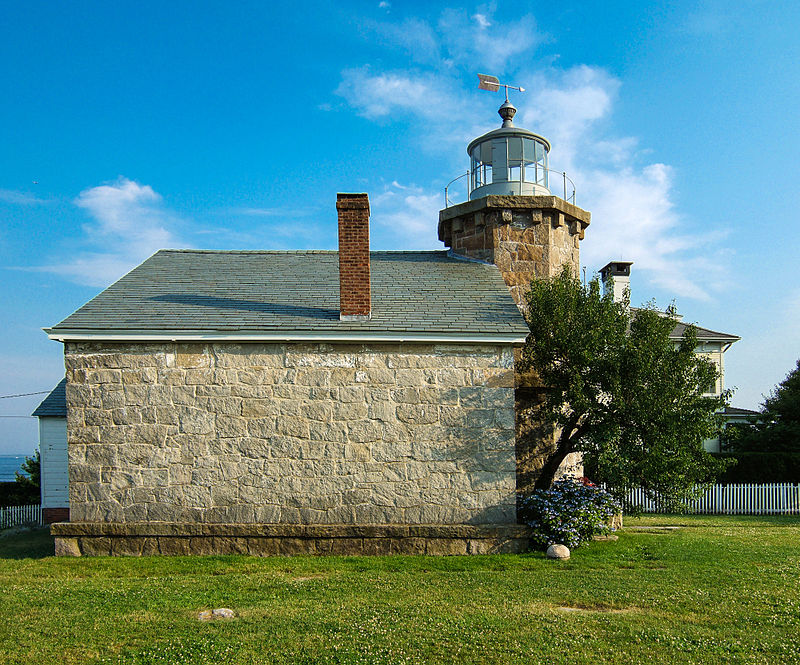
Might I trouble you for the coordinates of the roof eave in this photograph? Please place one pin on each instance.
(722, 338)
(515, 338)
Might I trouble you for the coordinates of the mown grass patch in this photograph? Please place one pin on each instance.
(719, 590)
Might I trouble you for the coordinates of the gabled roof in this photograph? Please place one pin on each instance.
(703, 334)
(197, 294)
(737, 411)
(55, 404)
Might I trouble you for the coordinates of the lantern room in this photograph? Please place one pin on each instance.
(509, 160)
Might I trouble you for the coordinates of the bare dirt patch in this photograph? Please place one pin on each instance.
(595, 609)
(308, 578)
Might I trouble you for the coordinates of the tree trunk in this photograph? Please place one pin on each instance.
(550, 468)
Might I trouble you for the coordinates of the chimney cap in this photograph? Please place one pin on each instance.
(352, 201)
(616, 269)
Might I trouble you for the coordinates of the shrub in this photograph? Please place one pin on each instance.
(570, 512)
(757, 467)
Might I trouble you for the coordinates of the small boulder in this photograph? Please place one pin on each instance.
(557, 551)
(219, 613)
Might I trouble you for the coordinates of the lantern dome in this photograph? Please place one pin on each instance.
(508, 160)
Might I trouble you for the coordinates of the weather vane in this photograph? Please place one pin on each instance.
(492, 83)
(507, 110)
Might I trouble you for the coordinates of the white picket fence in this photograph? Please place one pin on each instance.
(744, 499)
(20, 515)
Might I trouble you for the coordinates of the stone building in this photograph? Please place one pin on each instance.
(314, 401)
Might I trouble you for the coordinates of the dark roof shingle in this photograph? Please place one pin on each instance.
(55, 404)
(297, 292)
(703, 334)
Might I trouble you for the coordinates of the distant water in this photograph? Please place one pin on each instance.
(8, 465)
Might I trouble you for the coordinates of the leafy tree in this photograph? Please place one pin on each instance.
(30, 484)
(620, 390)
(777, 429)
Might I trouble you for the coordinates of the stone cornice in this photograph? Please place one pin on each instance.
(553, 203)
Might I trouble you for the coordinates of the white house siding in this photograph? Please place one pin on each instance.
(714, 351)
(53, 450)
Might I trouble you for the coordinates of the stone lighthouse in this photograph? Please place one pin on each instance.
(513, 217)
(521, 216)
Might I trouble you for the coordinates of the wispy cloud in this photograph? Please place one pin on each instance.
(631, 200)
(273, 212)
(377, 95)
(15, 197)
(705, 23)
(414, 36)
(630, 197)
(479, 40)
(761, 360)
(129, 222)
(405, 212)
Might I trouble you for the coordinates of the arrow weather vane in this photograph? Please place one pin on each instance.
(507, 110)
(492, 83)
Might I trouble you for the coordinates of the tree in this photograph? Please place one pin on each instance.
(620, 390)
(777, 428)
(29, 485)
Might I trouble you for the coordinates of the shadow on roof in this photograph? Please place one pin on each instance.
(278, 309)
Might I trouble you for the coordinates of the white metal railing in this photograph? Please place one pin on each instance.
(739, 499)
(20, 515)
(568, 191)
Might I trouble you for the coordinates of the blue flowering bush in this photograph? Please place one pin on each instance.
(570, 512)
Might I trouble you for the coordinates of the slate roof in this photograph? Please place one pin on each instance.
(737, 411)
(703, 334)
(296, 293)
(55, 404)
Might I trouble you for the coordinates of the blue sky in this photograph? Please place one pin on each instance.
(126, 128)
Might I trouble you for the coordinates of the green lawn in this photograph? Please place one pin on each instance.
(716, 590)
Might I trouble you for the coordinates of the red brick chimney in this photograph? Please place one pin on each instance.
(355, 302)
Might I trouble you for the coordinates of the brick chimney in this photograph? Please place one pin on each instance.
(355, 302)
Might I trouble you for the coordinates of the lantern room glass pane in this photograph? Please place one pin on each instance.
(499, 160)
(486, 152)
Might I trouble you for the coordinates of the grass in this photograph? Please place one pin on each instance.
(720, 589)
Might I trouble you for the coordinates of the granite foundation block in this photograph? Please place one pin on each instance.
(175, 539)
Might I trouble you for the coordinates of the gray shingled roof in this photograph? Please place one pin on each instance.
(737, 411)
(297, 293)
(55, 404)
(703, 334)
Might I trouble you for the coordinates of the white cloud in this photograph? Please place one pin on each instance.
(415, 36)
(390, 93)
(761, 360)
(481, 20)
(630, 197)
(273, 212)
(631, 201)
(129, 222)
(478, 41)
(405, 212)
(15, 197)
(566, 106)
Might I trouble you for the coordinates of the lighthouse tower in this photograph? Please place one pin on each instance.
(520, 214)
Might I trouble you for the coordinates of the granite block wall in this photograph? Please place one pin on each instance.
(291, 434)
